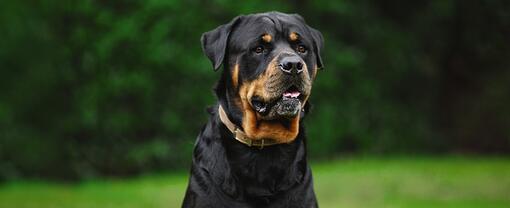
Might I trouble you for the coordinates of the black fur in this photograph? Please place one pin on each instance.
(227, 173)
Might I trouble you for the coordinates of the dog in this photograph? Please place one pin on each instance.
(252, 151)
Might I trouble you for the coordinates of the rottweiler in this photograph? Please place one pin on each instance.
(252, 151)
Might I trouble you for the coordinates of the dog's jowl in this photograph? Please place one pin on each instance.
(252, 151)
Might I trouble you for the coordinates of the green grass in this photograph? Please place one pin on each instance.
(372, 183)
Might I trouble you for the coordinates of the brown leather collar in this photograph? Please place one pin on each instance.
(240, 136)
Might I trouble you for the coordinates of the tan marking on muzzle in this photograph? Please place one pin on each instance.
(315, 72)
(256, 129)
(235, 76)
(254, 126)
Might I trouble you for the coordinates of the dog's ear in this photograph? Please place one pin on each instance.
(318, 44)
(214, 42)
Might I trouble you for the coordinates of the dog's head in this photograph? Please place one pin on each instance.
(270, 61)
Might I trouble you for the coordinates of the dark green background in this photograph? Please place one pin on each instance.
(93, 88)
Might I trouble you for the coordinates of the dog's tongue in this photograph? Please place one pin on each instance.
(293, 94)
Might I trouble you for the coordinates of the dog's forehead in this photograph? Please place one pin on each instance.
(252, 27)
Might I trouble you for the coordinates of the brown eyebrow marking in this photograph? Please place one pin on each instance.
(293, 36)
(267, 38)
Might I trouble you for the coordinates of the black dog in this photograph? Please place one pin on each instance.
(252, 152)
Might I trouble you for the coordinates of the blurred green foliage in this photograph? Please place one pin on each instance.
(94, 88)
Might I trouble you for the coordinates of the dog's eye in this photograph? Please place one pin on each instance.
(258, 49)
(301, 49)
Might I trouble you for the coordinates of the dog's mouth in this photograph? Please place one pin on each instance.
(286, 104)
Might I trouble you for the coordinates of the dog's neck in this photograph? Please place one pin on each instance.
(239, 135)
(252, 171)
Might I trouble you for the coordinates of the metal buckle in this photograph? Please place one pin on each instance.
(249, 142)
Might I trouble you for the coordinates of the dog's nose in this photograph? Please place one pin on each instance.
(291, 65)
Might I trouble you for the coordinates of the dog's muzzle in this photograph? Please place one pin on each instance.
(288, 88)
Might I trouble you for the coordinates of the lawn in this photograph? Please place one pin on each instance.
(367, 182)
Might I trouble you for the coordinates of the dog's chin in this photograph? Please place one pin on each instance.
(284, 107)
